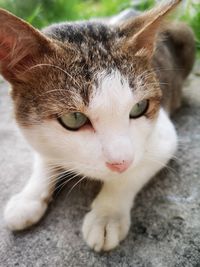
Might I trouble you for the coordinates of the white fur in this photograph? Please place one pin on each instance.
(27, 207)
(150, 144)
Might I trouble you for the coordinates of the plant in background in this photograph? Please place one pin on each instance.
(41, 13)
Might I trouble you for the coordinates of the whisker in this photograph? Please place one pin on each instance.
(162, 165)
(57, 67)
(79, 181)
(66, 182)
(154, 152)
(58, 178)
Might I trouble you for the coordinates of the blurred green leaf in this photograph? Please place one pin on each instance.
(41, 13)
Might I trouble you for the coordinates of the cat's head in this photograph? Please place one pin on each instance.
(85, 94)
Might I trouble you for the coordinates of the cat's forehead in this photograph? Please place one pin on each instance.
(97, 48)
(111, 96)
(80, 33)
(93, 42)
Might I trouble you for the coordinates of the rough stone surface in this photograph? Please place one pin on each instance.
(165, 229)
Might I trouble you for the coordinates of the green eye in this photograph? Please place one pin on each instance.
(139, 109)
(73, 121)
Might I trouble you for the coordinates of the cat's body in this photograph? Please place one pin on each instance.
(107, 75)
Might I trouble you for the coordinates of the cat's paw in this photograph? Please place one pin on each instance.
(105, 231)
(22, 212)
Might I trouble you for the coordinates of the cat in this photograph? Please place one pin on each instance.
(94, 98)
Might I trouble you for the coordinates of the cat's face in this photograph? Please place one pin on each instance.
(87, 101)
(117, 93)
(110, 136)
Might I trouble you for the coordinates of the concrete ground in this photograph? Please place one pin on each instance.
(165, 229)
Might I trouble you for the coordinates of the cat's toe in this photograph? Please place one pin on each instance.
(104, 232)
(22, 212)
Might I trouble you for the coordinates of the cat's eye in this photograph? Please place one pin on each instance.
(139, 109)
(73, 120)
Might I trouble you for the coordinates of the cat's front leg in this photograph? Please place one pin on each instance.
(27, 207)
(109, 220)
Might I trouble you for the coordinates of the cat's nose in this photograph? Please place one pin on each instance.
(120, 166)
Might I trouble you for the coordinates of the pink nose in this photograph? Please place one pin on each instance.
(120, 166)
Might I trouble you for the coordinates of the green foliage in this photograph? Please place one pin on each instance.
(144, 5)
(41, 13)
(101, 8)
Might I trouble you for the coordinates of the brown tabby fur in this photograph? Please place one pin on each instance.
(55, 71)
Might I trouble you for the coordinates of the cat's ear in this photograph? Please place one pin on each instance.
(20, 43)
(141, 32)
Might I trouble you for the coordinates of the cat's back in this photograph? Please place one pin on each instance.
(173, 61)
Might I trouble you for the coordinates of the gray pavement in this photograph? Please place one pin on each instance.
(165, 229)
